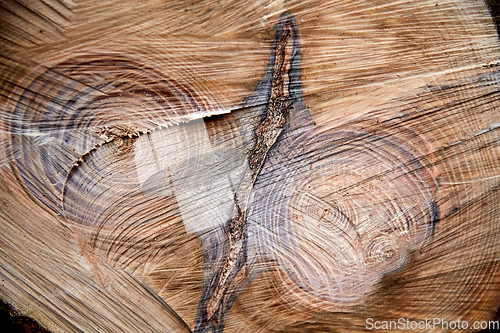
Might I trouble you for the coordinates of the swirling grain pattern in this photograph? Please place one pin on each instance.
(87, 102)
(347, 209)
(331, 230)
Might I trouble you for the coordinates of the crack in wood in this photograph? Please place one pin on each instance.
(233, 271)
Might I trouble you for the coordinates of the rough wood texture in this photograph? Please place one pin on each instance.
(137, 194)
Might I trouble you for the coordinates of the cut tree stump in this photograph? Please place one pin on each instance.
(238, 166)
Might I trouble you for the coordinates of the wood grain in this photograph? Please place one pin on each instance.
(126, 129)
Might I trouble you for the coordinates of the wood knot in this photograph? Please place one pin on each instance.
(341, 212)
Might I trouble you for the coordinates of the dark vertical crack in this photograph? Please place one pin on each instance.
(494, 7)
(233, 273)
